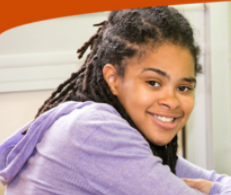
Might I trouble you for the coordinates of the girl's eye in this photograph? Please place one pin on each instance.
(153, 83)
(184, 88)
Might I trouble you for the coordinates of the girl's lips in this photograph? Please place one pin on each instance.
(163, 124)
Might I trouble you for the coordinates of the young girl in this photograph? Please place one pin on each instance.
(111, 128)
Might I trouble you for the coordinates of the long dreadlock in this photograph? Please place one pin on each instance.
(123, 36)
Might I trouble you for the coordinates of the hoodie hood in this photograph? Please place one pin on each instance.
(18, 148)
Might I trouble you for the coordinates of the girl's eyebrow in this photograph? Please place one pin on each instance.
(162, 73)
(158, 71)
(190, 80)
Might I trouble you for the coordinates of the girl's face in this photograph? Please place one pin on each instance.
(157, 91)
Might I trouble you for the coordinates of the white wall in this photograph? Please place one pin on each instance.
(19, 108)
(41, 55)
(220, 72)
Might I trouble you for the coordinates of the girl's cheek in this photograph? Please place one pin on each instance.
(189, 104)
(146, 95)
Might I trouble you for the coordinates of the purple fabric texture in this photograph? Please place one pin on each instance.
(87, 148)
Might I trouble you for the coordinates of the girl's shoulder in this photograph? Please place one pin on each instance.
(87, 112)
(88, 118)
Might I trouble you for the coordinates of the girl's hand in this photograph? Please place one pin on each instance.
(200, 184)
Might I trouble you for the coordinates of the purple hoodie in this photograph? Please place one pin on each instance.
(87, 148)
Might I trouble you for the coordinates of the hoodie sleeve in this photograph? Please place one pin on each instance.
(7, 146)
(222, 182)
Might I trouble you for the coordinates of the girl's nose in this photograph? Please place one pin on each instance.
(169, 100)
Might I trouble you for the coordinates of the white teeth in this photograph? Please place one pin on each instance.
(164, 119)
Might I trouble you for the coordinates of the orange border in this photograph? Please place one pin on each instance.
(17, 12)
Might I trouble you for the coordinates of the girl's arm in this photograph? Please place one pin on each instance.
(198, 178)
(202, 185)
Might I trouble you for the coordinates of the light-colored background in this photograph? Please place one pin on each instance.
(35, 58)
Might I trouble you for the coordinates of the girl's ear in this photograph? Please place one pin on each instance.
(111, 77)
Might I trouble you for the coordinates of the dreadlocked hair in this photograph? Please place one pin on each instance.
(123, 36)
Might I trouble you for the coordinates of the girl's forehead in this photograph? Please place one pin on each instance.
(168, 57)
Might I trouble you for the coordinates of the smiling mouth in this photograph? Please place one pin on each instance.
(165, 122)
(164, 119)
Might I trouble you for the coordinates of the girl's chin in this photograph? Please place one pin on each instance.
(160, 143)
